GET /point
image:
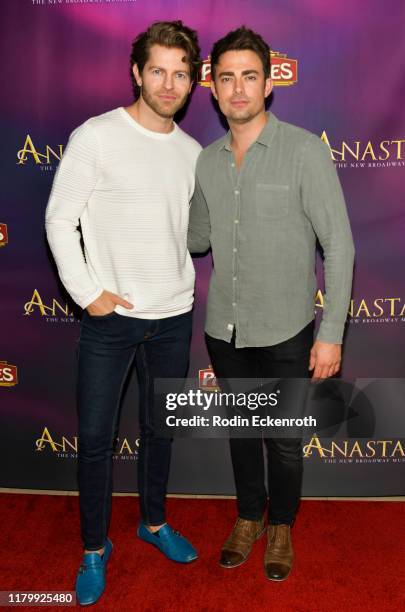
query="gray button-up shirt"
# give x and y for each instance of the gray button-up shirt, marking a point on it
(262, 223)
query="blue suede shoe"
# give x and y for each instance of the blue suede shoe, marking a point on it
(90, 582)
(170, 542)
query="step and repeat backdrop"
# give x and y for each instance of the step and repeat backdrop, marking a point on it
(338, 68)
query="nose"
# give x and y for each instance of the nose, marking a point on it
(169, 82)
(238, 85)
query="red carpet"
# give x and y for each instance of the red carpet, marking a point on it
(349, 557)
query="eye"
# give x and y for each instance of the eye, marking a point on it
(225, 79)
(156, 71)
(181, 75)
(251, 77)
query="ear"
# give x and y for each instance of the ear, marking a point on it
(137, 75)
(268, 86)
(213, 89)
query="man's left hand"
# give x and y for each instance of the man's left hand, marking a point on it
(325, 359)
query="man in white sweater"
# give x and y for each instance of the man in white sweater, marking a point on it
(127, 178)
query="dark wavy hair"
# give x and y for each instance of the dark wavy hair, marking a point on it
(241, 39)
(171, 34)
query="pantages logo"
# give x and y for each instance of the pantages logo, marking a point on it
(30, 153)
(3, 235)
(283, 70)
(66, 448)
(207, 379)
(8, 374)
(358, 154)
(377, 310)
(355, 451)
(51, 313)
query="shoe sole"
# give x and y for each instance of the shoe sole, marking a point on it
(247, 557)
(160, 550)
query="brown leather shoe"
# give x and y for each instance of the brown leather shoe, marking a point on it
(279, 553)
(239, 544)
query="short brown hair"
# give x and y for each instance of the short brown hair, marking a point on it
(171, 34)
(241, 39)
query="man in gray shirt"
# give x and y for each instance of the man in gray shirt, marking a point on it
(264, 193)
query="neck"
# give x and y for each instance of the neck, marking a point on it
(244, 134)
(147, 118)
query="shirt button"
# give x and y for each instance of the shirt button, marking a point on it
(236, 192)
(235, 278)
(236, 220)
(235, 250)
(233, 303)
(232, 165)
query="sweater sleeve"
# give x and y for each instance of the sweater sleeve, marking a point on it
(74, 182)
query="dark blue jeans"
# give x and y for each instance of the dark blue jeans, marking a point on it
(107, 346)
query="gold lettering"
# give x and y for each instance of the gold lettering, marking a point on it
(377, 304)
(65, 443)
(363, 306)
(49, 151)
(384, 149)
(392, 300)
(384, 446)
(56, 304)
(354, 154)
(399, 144)
(36, 301)
(46, 438)
(398, 447)
(125, 446)
(29, 149)
(370, 446)
(325, 139)
(315, 444)
(368, 151)
(341, 451)
(319, 299)
(356, 449)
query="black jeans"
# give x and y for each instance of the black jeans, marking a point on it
(107, 347)
(289, 359)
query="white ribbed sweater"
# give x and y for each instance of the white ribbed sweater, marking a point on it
(130, 189)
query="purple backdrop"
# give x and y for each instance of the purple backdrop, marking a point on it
(64, 61)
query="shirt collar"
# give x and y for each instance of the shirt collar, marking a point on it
(265, 137)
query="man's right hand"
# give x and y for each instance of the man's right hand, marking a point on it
(106, 303)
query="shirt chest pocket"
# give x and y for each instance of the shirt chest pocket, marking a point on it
(272, 201)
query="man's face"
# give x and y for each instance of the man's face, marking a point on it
(240, 86)
(165, 80)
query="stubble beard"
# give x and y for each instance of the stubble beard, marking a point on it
(158, 108)
(242, 116)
